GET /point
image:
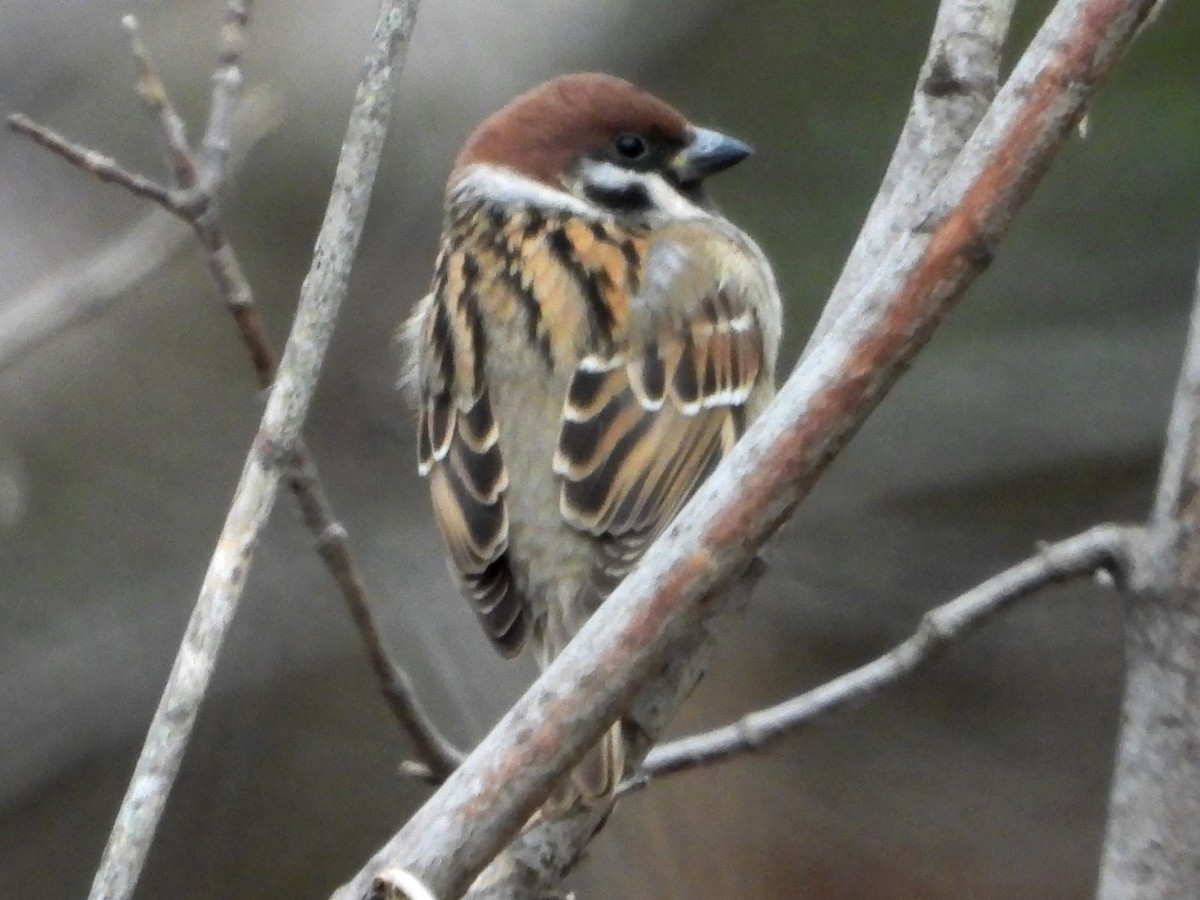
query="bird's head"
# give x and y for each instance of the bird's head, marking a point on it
(603, 142)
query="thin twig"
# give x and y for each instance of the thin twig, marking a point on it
(1179, 481)
(92, 284)
(226, 90)
(153, 92)
(676, 587)
(436, 757)
(102, 167)
(193, 203)
(957, 81)
(1106, 547)
(320, 298)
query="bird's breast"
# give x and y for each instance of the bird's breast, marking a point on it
(549, 559)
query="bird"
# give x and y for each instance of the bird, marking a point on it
(595, 339)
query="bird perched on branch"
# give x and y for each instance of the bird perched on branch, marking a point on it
(595, 340)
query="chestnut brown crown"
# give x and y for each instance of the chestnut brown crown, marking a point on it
(544, 133)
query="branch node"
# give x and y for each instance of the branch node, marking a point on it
(933, 632)
(750, 736)
(941, 82)
(333, 533)
(274, 452)
(414, 768)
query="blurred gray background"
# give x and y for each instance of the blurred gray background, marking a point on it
(1037, 410)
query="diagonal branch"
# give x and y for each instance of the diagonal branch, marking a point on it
(320, 298)
(1103, 548)
(1179, 482)
(958, 80)
(226, 90)
(676, 588)
(153, 92)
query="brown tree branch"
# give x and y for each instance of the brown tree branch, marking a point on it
(193, 201)
(534, 864)
(964, 55)
(1105, 547)
(1152, 845)
(676, 588)
(268, 462)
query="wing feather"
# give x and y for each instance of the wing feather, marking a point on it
(458, 450)
(641, 429)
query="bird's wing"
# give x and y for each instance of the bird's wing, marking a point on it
(643, 426)
(459, 451)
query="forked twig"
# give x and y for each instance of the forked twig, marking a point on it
(192, 200)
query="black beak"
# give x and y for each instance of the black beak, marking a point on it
(707, 153)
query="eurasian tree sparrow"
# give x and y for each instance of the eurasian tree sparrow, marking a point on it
(595, 340)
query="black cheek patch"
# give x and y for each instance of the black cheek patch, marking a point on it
(627, 199)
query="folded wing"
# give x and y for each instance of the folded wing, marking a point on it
(642, 428)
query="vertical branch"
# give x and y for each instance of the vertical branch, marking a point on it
(1152, 846)
(320, 298)
(227, 89)
(1180, 477)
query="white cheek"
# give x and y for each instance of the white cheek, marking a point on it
(508, 188)
(606, 177)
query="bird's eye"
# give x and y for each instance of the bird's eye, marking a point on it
(630, 146)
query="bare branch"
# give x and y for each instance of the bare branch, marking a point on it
(1152, 845)
(957, 81)
(677, 585)
(1106, 547)
(534, 864)
(320, 298)
(436, 756)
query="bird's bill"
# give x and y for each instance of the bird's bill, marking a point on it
(707, 153)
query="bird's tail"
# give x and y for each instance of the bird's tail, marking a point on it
(595, 777)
